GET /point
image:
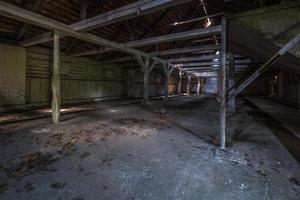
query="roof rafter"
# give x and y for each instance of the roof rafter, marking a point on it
(120, 14)
(158, 39)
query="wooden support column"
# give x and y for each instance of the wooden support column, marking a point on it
(299, 96)
(146, 69)
(56, 98)
(223, 85)
(189, 77)
(198, 85)
(180, 82)
(168, 71)
(231, 81)
(130, 82)
(280, 82)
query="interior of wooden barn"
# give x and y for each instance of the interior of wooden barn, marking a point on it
(149, 99)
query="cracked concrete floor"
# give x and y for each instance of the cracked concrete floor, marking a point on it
(127, 151)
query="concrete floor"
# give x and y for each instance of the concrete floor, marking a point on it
(122, 150)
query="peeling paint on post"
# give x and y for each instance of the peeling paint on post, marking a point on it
(56, 79)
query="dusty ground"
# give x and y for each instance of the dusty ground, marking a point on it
(127, 151)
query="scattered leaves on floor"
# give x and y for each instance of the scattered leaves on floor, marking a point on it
(294, 180)
(85, 155)
(29, 186)
(30, 164)
(58, 185)
(3, 187)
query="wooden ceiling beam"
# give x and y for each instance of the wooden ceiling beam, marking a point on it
(13, 12)
(130, 11)
(158, 39)
(34, 8)
(186, 50)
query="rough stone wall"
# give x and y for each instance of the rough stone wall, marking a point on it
(12, 75)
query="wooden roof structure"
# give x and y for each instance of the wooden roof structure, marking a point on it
(164, 19)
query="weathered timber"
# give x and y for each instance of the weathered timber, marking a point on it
(158, 39)
(120, 14)
(223, 85)
(56, 96)
(231, 81)
(180, 82)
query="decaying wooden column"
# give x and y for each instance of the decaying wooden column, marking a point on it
(168, 71)
(231, 81)
(198, 85)
(189, 77)
(223, 84)
(130, 82)
(299, 96)
(180, 82)
(146, 69)
(56, 101)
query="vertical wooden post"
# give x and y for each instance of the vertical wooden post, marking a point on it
(56, 79)
(198, 85)
(168, 71)
(83, 13)
(130, 82)
(146, 81)
(299, 96)
(280, 82)
(146, 69)
(189, 76)
(231, 81)
(223, 85)
(180, 82)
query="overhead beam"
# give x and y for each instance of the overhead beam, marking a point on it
(20, 14)
(213, 63)
(196, 58)
(34, 8)
(203, 48)
(120, 14)
(130, 11)
(158, 39)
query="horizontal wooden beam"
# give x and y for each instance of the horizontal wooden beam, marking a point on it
(195, 58)
(203, 48)
(13, 12)
(175, 36)
(213, 63)
(200, 67)
(120, 14)
(158, 39)
(130, 11)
